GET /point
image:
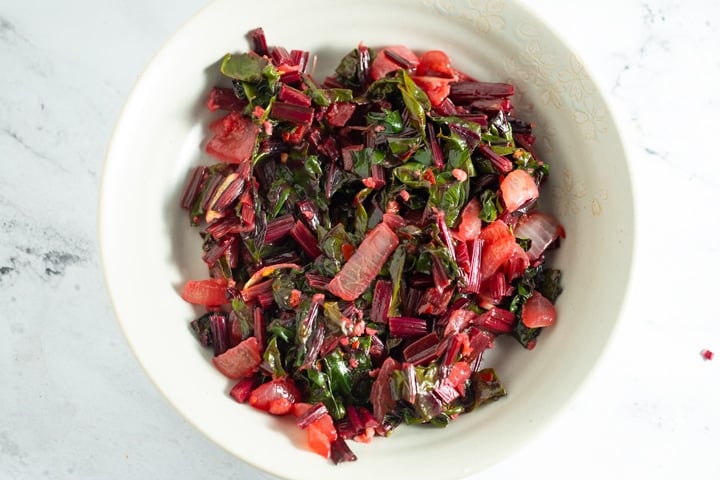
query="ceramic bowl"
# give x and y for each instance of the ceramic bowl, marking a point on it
(148, 249)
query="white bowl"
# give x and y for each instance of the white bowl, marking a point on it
(148, 250)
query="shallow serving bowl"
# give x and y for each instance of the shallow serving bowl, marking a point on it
(148, 249)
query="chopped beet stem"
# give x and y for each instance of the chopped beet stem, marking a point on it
(363, 64)
(479, 118)
(356, 422)
(209, 191)
(399, 60)
(281, 56)
(252, 293)
(231, 192)
(314, 345)
(224, 226)
(447, 108)
(423, 350)
(340, 451)
(453, 350)
(466, 92)
(287, 257)
(318, 282)
(378, 177)
(439, 273)
(259, 41)
(193, 187)
(279, 228)
(266, 299)
(497, 320)
(306, 239)
(232, 253)
(411, 383)
(291, 78)
(460, 303)
(475, 276)
(446, 393)
(310, 212)
(491, 106)
(502, 164)
(312, 414)
(216, 251)
(445, 233)
(241, 391)
(220, 335)
(369, 421)
(259, 328)
(291, 112)
(292, 95)
(407, 327)
(382, 297)
(300, 58)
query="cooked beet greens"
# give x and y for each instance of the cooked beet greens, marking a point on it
(368, 237)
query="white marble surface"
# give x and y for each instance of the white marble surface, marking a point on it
(74, 403)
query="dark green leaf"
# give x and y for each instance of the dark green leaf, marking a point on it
(525, 286)
(525, 335)
(503, 149)
(411, 174)
(450, 198)
(487, 387)
(326, 266)
(201, 327)
(490, 206)
(306, 319)
(383, 89)
(416, 101)
(364, 159)
(312, 167)
(282, 286)
(423, 156)
(442, 420)
(361, 216)
(338, 373)
(397, 265)
(390, 120)
(403, 145)
(500, 125)
(244, 315)
(244, 67)
(324, 97)
(359, 374)
(526, 161)
(332, 242)
(275, 329)
(443, 254)
(424, 263)
(282, 193)
(525, 243)
(335, 318)
(273, 358)
(320, 390)
(348, 70)
(550, 286)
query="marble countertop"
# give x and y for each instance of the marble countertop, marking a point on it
(74, 402)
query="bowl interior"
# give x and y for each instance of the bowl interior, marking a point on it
(148, 249)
